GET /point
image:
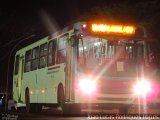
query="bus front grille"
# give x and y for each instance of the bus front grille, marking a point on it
(116, 87)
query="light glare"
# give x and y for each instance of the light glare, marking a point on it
(31, 92)
(142, 87)
(42, 91)
(87, 86)
(84, 25)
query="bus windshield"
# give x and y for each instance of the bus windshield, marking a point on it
(116, 55)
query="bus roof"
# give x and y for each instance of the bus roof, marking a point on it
(37, 43)
(75, 26)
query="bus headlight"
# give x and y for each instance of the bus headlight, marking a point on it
(87, 86)
(142, 87)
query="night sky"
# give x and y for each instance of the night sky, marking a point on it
(21, 18)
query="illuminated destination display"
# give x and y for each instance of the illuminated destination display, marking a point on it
(105, 28)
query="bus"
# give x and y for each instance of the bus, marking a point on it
(86, 64)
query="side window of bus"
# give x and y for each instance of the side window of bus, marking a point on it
(61, 52)
(51, 52)
(27, 61)
(43, 55)
(35, 58)
(16, 65)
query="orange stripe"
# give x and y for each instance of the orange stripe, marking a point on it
(52, 68)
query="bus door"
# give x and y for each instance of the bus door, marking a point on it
(20, 75)
(70, 69)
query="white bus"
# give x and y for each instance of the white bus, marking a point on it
(86, 64)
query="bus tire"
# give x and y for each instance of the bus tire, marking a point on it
(27, 99)
(61, 98)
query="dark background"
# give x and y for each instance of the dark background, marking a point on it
(21, 19)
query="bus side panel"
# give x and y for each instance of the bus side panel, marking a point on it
(15, 87)
(30, 81)
(53, 78)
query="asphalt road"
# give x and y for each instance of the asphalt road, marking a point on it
(54, 114)
(89, 117)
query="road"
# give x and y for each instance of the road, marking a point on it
(89, 117)
(53, 114)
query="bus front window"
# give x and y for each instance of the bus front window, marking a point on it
(113, 57)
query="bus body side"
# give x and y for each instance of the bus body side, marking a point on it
(42, 82)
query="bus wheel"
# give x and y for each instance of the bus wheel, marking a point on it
(27, 100)
(61, 98)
